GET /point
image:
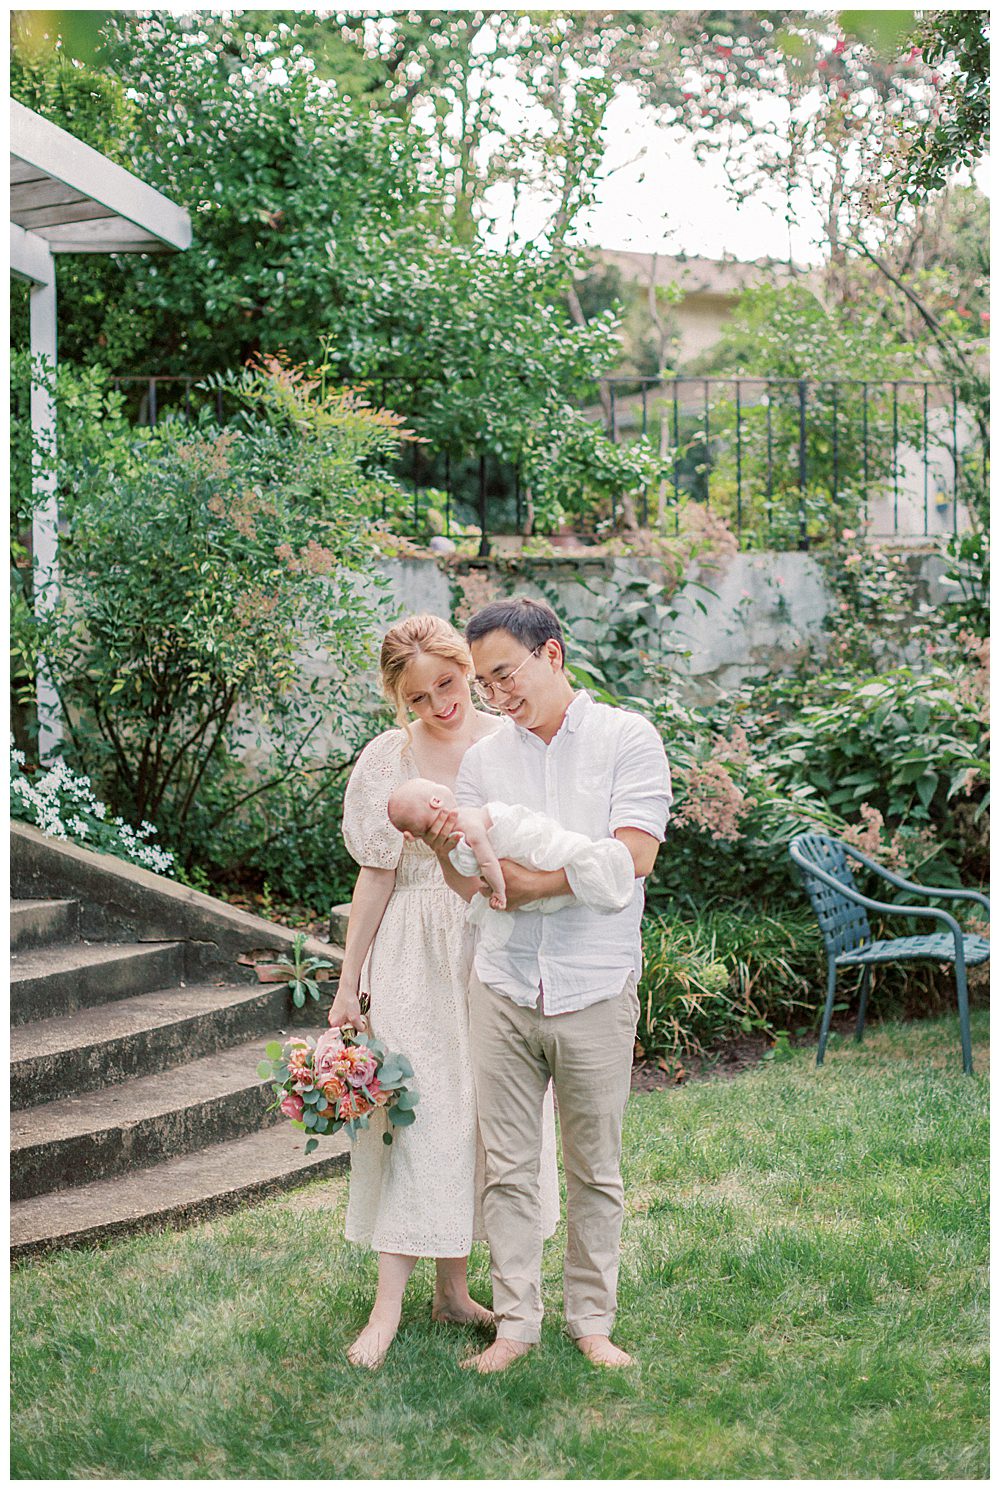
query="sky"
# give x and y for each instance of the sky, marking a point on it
(657, 198)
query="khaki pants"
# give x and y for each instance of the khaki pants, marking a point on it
(589, 1057)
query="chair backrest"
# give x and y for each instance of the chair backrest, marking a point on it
(842, 922)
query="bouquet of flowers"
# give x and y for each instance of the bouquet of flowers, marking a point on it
(336, 1082)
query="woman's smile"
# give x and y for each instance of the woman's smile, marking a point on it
(448, 713)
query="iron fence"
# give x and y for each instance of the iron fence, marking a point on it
(767, 453)
(779, 437)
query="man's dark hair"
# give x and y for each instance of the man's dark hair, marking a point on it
(531, 622)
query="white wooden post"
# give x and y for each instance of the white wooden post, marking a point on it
(45, 522)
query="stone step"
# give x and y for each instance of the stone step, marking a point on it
(35, 922)
(141, 1122)
(94, 1048)
(174, 1193)
(48, 981)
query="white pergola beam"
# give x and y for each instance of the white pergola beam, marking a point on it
(30, 256)
(40, 148)
(98, 235)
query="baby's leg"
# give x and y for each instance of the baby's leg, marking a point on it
(489, 868)
(477, 837)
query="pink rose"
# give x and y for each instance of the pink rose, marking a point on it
(329, 1056)
(364, 1068)
(293, 1106)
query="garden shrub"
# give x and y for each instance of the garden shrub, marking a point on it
(895, 763)
(196, 583)
(286, 839)
(709, 975)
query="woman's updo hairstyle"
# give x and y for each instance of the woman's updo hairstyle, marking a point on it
(404, 643)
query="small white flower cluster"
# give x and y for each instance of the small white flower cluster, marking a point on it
(64, 806)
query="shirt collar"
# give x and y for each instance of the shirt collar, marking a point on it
(577, 710)
(572, 719)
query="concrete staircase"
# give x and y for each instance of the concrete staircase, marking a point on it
(136, 1101)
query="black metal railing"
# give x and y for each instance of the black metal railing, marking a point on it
(767, 453)
(779, 437)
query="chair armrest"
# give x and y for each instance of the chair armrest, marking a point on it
(927, 912)
(902, 884)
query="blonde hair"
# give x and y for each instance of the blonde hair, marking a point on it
(405, 642)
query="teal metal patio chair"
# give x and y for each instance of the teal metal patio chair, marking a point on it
(841, 910)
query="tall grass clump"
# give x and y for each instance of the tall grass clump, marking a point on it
(711, 975)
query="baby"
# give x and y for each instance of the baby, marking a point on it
(601, 874)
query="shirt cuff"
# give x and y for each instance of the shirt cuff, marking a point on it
(655, 828)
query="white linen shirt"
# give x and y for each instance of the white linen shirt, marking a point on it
(604, 769)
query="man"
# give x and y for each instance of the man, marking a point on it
(559, 997)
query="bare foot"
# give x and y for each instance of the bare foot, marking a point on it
(462, 1311)
(372, 1345)
(497, 1357)
(599, 1350)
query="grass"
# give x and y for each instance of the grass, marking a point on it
(803, 1282)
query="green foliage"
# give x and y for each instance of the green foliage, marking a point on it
(905, 748)
(968, 574)
(477, 348)
(277, 828)
(894, 762)
(302, 983)
(476, 351)
(711, 975)
(785, 331)
(258, 163)
(958, 132)
(841, 435)
(196, 583)
(95, 444)
(57, 84)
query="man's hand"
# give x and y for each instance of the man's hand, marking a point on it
(524, 885)
(441, 834)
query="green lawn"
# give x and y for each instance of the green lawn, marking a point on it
(803, 1283)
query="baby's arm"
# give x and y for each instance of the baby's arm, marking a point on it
(474, 823)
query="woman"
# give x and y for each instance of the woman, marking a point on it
(409, 948)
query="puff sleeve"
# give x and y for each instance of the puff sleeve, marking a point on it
(371, 839)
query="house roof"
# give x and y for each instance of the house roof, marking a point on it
(699, 276)
(78, 201)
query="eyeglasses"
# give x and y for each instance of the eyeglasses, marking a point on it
(504, 683)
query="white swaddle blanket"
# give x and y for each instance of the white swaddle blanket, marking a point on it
(601, 874)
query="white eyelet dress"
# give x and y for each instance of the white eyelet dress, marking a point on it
(421, 1195)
